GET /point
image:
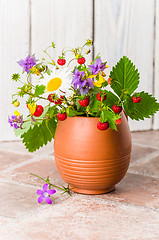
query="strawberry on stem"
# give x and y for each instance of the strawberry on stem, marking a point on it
(39, 110)
(54, 99)
(101, 98)
(81, 60)
(118, 121)
(61, 61)
(136, 99)
(84, 102)
(102, 126)
(61, 116)
(50, 97)
(117, 109)
(59, 101)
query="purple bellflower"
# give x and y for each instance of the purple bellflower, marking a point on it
(45, 194)
(97, 67)
(79, 81)
(15, 121)
(27, 63)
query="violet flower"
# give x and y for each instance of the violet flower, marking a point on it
(27, 63)
(97, 66)
(45, 194)
(15, 121)
(79, 81)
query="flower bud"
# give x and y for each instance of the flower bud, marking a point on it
(16, 103)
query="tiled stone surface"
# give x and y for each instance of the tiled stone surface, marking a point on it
(18, 146)
(43, 168)
(139, 152)
(4, 220)
(129, 212)
(9, 159)
(149, 167)
(15, 200)
(137, 190)
(149, 138)
(86, 218)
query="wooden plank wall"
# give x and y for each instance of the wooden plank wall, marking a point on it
(14, 45)
(119, 27)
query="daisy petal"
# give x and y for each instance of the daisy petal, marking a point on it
(48, 200)
(45, 187)
(51, 191)
(40, 199)
(39, 192)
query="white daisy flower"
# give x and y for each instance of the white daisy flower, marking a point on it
(59, 80)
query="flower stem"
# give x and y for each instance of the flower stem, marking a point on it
(64, 189)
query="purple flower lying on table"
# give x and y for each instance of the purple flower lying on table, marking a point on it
(28, 63)
(45, 194)
(97, 66)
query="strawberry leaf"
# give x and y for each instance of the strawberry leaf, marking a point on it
(124, 77)
(110, 117)
(144, 109)
(39, 90)
(39, 135)
(70, 112)
(111, 99)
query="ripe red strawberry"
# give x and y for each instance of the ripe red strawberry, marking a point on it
(99, 98)
(118, 121)
(84, 102)
(117, 109)
(136, 99)
(102, 126)
(61, 116)
(81, 60)
(39, 110)
(60, 100)
(50, 97)
(61, 61)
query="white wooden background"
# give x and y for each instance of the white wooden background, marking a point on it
(118, 27)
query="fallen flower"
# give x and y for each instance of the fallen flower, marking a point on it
(45, 194)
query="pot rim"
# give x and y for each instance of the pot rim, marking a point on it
(94, 117)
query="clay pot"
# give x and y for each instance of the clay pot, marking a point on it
(90, 160)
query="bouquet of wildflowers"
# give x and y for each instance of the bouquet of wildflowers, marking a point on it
(82, 91)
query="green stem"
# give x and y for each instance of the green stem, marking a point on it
(70, 61)
(63, 189)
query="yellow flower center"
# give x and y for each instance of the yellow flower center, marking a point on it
(54, 84)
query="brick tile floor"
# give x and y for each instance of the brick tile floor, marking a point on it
(129, 212)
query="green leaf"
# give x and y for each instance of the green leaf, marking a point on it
(124, 77)
(94, 104)
(111, 99)
(51, 111)
(26, 126)
(144, 109)
(39, 90)
(110, 117)
(70, 112)
(48, 70)
(39, 135)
